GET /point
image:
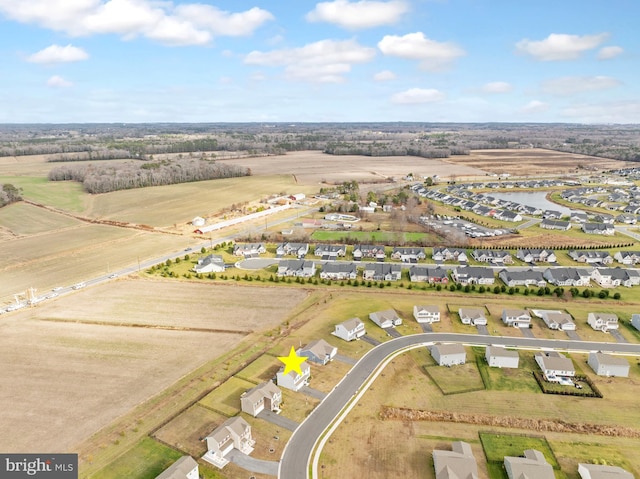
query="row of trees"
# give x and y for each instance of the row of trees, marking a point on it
(103, 178)
(9, 194)
(393, 149)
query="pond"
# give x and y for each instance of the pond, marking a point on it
(532, 198)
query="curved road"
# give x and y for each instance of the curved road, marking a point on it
(296, 457)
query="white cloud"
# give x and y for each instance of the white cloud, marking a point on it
(611, 112)
(384, 75)
(325, 61)
(357, 15)
(607, 53)
(497, 87)
(58, 82)
(560, 46)
(418, 95)
(58, 54)
(535, 106)
(433, 55)
(162, 21)
(572, 85)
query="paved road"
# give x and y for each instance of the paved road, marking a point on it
(296, 458)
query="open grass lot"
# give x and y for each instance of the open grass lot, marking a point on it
(529, 161)
(456, 379)
(65, 195)
(371, 236)
(507, 379)
(225, 398)
(315, 167)
(497, 446)
(23, 219)
(146, 461)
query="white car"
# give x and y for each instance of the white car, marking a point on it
(111, 276)
(52, 295)
(57, 288)
(78, 285)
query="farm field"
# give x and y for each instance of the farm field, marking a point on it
(534, 161)
(95, 373)
(23, 219)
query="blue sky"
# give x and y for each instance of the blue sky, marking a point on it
(338, 60)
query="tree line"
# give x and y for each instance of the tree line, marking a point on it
(9, 194)
(106, 177)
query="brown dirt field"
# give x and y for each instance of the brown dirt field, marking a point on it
(534, 162)
(314, 167)
(73, 378)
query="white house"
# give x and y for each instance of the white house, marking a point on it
(210, 264)
(498, 357)
(292, 380)
(596, 471)
(297, 267)
(264, 396)
(350, 329)
(627, 257)
(318, 351)
(555, 319)
(448, 354)
(555, 366)
(184, 468)
(234, 433)
(518, 318)
(603, 321)
(608, 365)
(426, 314)
(386, 319)
(472, 316)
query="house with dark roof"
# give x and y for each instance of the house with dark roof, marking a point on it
(536, 255)
(210, 264)
(612, 277)
(362, 251)
(598, 229)
(330, 251)
(249, 250)
(473, 275)
(382, 272)
(590, 256)
(627, 257)
(526, 278)
(492, 256)
(337, 271)
(408, 255)
(449, 254)
(428, 274)
(555, 225)
(297, 267)
(568, 276)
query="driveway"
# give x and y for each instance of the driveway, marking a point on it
(278, 420)
(527, 332)
(573, 335)
(314, 393)
(426, 327)
(370, 340)
(258, 466)
(482, 329)
(393, 332)
(618, 337)
(345, 359)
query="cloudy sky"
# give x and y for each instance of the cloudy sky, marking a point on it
(337, 60)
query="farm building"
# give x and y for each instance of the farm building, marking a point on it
(608, 365)
(448, 354)
(350, 329)
(501, 358)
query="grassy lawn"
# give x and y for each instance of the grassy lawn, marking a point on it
(497, 446)
(262, 369)
(505, 379)
(147, 459)
(372, 236)
(226, 398)
(456, 379)
(65, 195)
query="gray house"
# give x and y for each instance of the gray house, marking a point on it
(264, 396)
(386, 319)
(184, 468)
(596, 471)
(457, 463)
(472, 316)
(339, 271)
(635, 321)
(297, 267)
(318, 351)
(473, 275)
(382, 272)
(608, 365)
(533, 465)
(448, 354)
(529, 277)
(497, 357)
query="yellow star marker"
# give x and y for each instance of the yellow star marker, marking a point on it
(292, 362)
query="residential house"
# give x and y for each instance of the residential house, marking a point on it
(296, 267)
(556, 319)
(551, 215)
(330, 251)
(249, 250)
(426, 314)
(598, 228)
(382, 272)
(318, 351)
(386, 319)
(626, 218)
(605, 218)
(627, 257)
(518, 318)
(579, 217)
(568, 276)
(184, 468)
(292, 249)
(449, 254)
(472, 316)
(210, 264)
(350, 329)
(527, 278)
(555, 366)
(591, 257)
(612, 277)
(635, 321)
(473, 275)
(292, 380)
(492, 256)
(264, 396)
(361, 251)
(506, 215)
(596, 471)
(457, 463)
(532, 466)
(608, 365)
(536, 255)
(428, 274)
(337, 271)
(555, 225)
(234, 433)
(602, 321)
(498, 357)
(408, 255)
(448, 354)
